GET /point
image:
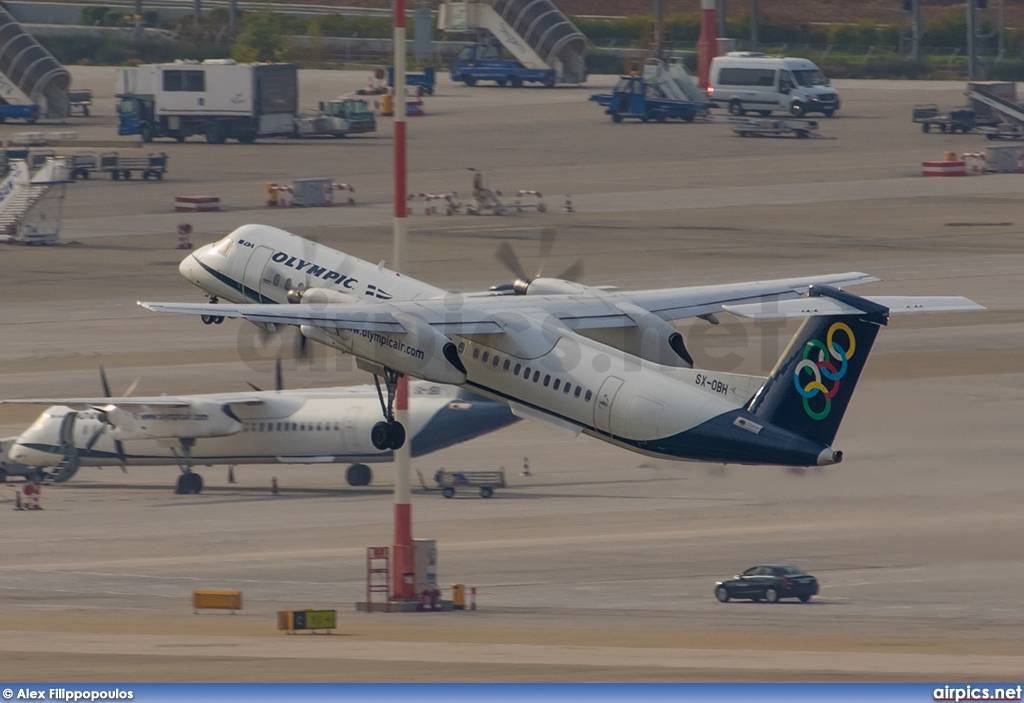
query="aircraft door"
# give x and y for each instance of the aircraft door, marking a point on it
(253, 277)
(603, 403)
(351, 431)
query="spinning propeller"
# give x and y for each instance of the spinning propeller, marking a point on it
(507, 256)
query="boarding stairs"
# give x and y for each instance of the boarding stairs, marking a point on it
(675, 81)
(27, 214)
(999, 98)
(535, 32)
(29, 73)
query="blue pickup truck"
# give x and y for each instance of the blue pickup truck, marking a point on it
(29, 113)
(633, 97)
(479, 62)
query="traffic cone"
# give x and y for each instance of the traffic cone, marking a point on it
(273, 486)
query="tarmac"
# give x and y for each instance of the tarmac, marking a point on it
(600, 566)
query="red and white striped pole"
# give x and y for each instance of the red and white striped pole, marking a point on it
(707, 44)
(403, 557)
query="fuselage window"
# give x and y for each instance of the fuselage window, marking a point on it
(462, 347)
(588, 396)
(506, 365)
(279, 427)
(302, 426)
(277, 279)
(568, 387)
(476, 353)
(288, 284)
(576, 393)
(547, 379)
(319, 427)
(536, 375)
(496, 360)
(337, 428)
(558, 382)
(517, 369)
(526, 373)
(486, 356)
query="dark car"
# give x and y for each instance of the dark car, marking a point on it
(768, 582)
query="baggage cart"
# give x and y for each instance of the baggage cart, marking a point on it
(450, 481)
(963, 120)
(767, 127)
(153, 165)
(79, 101)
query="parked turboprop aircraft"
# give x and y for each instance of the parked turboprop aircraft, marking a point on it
(312, 426)
(583, 359)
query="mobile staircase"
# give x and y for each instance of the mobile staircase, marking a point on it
(29, 74)
(31, 206)
(535, 32)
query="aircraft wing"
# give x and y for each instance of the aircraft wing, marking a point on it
(455, 314)
(131, 403)
(828, 306)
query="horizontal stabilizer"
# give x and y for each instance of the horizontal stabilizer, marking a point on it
(810, 307)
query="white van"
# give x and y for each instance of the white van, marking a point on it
(745, 81)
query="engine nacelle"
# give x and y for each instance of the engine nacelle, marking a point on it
(320, 296)
(160, 422)
(651, 338)
(555, 286)
(421, 351)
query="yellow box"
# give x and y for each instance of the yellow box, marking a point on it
(221, 600)
(459, 596)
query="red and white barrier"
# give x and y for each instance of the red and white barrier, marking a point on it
(975, 163)
(350, 200)
(943, 168)
(196, 203)
(539, 206)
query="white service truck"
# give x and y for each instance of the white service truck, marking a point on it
(217, 98)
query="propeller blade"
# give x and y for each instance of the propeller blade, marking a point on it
(547, 243)
(132, 387)
(574, 272)
(95, 437)
(119, 448)
(507, 256)
(301, 352)
(104, 383)
(279, 375)
(254, 387)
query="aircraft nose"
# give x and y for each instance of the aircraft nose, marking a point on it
(189, 267)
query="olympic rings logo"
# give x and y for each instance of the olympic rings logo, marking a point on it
(829, 354)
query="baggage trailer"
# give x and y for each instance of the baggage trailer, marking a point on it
(80, 101)
(118, 166)
(767, 127)
(963, 120)
(635, 98)
(486, 481)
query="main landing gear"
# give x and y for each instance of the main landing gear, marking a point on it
(389, 434)
(188, 482)
(212, 319)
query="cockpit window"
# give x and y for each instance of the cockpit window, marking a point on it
(224, 246)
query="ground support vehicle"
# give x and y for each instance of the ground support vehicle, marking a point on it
(479, 62)
(485, 481)
(79, 101)
(963, 119)
(354, 111)
(767, 127)
(768, 582)
(82, 165)
(751, 81)
(121, 167)
(423, 82)
(634, 98)
(217, 98)
(28, 113)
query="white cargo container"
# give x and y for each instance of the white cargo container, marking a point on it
(219, 98)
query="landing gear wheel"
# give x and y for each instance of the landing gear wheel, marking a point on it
(359, 475)
(196, 483)
(397, 435)
(771, 595)
(722, 594)
(736, 108)
(380, 436)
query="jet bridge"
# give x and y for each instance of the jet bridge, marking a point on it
(535, 32)
(29, 73)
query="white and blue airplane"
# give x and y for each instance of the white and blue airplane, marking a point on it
(606, 363)
(310, 426)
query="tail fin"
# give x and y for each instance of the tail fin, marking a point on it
(810, 387)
